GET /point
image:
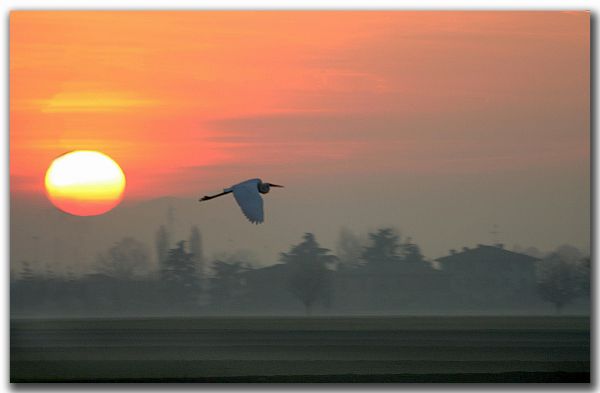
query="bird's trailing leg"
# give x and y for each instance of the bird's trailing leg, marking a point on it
(208, 197)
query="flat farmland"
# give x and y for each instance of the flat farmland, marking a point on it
(296, 349)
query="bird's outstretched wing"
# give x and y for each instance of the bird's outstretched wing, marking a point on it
(247, 196)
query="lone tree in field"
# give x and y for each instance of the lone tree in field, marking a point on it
(559, 282)
(310, 279)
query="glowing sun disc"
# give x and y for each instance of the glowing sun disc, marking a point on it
(85, 183)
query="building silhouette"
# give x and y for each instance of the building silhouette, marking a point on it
(490, 276)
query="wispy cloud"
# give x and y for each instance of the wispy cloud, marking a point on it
(93, 101)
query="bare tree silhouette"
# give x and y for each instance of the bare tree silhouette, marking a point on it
(125, 260)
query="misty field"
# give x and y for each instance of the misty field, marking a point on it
(295, 349)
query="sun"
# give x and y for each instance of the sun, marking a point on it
(85, 183)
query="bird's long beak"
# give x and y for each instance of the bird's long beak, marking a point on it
(275, 185)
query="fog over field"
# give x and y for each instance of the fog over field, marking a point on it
(437, 214)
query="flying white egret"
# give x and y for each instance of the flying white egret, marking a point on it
(247, 195)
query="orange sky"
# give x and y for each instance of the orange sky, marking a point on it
(190, 102)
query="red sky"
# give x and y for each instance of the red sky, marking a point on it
(190, 102)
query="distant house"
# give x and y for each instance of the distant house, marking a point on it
(402, 287)
(266, 289)
(394, 287)
(263, 281)
(481, 279)
(490, 275)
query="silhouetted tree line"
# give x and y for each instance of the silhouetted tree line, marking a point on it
(377, 273)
